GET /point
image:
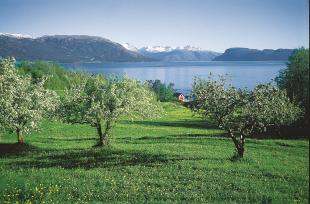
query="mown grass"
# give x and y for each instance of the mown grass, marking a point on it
(177, 158)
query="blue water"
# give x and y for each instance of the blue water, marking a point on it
(245, 74)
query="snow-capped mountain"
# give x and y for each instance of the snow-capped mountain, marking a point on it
(168, 53)
(82, 48)
(66, 49)
(130, 47)
(157, 48)
(191, 48)
(160, 48)
(16, 35)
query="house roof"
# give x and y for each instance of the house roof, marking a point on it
(177, 94)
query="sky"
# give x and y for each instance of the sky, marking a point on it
(209, 24)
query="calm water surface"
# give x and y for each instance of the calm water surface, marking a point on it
(242, 74)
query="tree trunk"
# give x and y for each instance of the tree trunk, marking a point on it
(238, 144)
(19, 136)
(99, 130)
(107, 133)
(241, 146)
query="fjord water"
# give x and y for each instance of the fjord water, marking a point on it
(243, 74)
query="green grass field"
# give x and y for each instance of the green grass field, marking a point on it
(177, 158)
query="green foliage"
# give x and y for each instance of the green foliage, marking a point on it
(213, 99)
(83, 103)
(23, 103)
(242, 112)
(172, 159)
(265, 106)
(295, 78)
(106, 100)
(163, 92)
(58, 78)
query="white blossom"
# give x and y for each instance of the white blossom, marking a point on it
(22, 103)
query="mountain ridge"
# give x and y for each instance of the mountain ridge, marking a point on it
(85, 48)
(66, 49)
(168, 53)
(247, 54)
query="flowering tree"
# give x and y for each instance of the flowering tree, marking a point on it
(242, 112)
(99, 100)
(295, 80)
(22, 103)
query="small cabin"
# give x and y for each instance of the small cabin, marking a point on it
(180, 97)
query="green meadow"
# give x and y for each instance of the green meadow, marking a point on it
(177, 158)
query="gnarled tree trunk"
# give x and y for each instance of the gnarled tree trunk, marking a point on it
(104, 138)
(99, 131)
(107, 133)
(19, 136)
(240, 145)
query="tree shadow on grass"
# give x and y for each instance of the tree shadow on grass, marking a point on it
(183, 123)
(92, 158)
(100, 157)
(185, 136)
(179, 138)
(72, 139)
(15, 149)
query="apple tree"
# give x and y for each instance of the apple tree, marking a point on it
(241, 112)
(103, 101)
(23, 104)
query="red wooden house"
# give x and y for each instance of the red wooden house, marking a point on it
(180, 97)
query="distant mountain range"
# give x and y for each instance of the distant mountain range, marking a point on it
(187, 53)
(246, 54)
(83, 48)
(65, 49)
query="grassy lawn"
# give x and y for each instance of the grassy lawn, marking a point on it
(177, 158)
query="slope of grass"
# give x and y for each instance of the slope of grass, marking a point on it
(177, 158)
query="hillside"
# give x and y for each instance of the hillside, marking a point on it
(65, 49)
(175, 159)
(246, 54)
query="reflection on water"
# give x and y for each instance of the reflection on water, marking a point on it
(243, 74)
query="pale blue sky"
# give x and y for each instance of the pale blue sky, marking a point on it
(209, 24)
